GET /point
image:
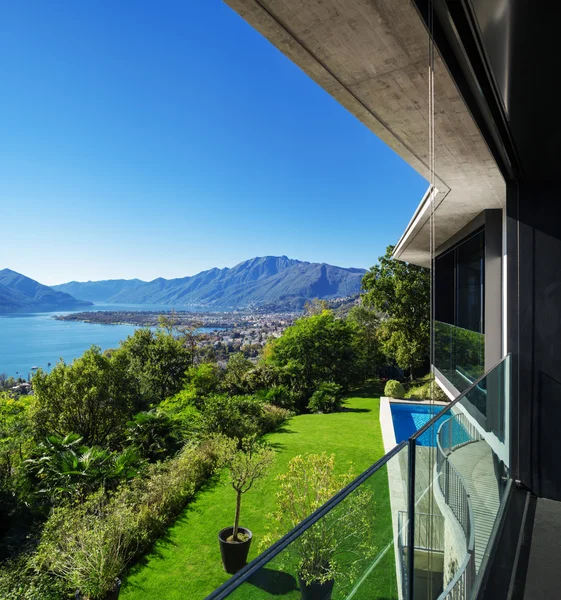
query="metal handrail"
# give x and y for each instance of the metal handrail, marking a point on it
(470, 538)
(255, 565)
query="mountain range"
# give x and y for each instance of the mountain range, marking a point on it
(98, 291)
(263, 281)
(19, 293)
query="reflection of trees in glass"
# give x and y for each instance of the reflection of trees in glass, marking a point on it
(459, 354)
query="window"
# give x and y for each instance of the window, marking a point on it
(459, 284)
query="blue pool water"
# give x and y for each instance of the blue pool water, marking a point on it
(409, 418)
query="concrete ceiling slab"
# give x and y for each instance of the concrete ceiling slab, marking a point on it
(372, 57)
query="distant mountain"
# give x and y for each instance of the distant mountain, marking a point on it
(19, 293)
(268, 280)
(98, 291)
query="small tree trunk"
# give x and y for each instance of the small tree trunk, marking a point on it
(237, 519)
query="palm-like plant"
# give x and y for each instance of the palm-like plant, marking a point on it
(151, 433)
(67, 470)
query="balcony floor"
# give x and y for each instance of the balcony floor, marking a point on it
(542, 576)
(475, 464)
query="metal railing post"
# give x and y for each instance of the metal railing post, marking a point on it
(411, 524)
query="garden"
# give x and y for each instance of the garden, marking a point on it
(156, 470)
(186, 563)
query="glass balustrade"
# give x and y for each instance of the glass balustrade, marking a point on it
(417, 525)
(459, 354)
(460, 476)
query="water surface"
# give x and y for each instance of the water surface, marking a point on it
(35, 339)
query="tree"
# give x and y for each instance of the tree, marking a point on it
(235, 378)
(186, 333)
(232, 416)
(85, 397)
(153, 364)
(15, 446)
(366, 322)
(315, 349)
(401, 291)
(204, 379)
(315, 307)
(246, 465)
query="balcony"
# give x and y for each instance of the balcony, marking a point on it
(446, 500)
(459, 354)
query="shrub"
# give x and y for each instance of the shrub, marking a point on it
(183, 413)
(88, 545)
(280, 395)
(20, 581)
(335, 545)
(65, 470)
(423, 392)
(272, 417)
(159, 497)
(327, 398)
(394, 389)
(153, 435)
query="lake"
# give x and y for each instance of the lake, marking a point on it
(28, 340)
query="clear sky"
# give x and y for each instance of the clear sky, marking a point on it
(146, 139)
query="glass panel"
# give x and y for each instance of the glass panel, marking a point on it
(459, 483)
(470, 260)
(459, 354)
(421, 522)
(445, 287)
(459, 309)
(354, 547)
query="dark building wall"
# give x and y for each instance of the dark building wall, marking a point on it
(534, 333)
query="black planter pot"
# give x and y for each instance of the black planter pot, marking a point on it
(234, 554)
(111, 595)
(315, 590)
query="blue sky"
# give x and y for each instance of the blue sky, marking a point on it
(146, 139)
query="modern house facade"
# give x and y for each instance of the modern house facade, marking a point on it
(480, 504)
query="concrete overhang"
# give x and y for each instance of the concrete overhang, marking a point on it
(371, 56)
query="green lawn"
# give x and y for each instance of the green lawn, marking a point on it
(186, 564)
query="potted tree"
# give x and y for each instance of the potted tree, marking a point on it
(247, 461)
(334, 547)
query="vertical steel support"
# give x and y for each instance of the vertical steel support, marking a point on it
(411, 525)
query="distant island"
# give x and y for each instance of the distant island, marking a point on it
(270, 281)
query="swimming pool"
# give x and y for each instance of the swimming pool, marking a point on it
(409, 418)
